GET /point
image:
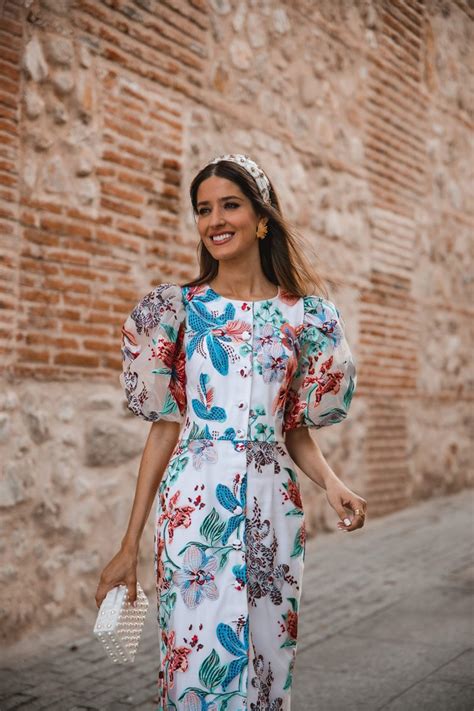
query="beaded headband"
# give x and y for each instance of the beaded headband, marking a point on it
(251, 167)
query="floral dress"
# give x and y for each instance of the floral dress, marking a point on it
(229, 533)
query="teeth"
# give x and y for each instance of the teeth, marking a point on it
(222, 237)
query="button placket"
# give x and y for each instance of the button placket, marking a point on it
(242, 395)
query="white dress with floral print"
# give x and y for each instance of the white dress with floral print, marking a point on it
(229, 535)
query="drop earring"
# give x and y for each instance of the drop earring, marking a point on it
(262, 228)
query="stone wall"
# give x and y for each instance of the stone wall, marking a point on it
(360, 113)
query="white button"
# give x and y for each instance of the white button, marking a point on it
(240, 433)
(242, 405)
(246, 336)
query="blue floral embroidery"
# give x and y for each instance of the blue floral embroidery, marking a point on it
(230, 502)
(239, 648)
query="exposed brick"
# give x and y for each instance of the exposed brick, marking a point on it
(33, 355)
(110, 189)
(108, 204)
(10, 27)
(82, 329)
(123, 160)
(43, 296)
(65, 228)
(80, 359)
(118, 240)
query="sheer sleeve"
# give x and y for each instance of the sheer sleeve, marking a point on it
(153, 368)
(324, 379)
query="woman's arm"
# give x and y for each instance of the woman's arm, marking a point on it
(122, 569)
(307, 455)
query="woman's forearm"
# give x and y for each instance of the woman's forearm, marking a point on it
(159, 446)
(307, 454)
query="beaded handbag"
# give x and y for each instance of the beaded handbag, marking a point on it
(119, 625)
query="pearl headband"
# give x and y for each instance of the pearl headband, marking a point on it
(251, 167)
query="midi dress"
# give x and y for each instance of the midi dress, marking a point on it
(229, 538)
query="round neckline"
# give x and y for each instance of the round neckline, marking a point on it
(244, 301)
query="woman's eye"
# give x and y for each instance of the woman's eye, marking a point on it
(227, 204)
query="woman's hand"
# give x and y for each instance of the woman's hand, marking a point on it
(342, 498)
(122, 570)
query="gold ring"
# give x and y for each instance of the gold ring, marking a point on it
(359, 512)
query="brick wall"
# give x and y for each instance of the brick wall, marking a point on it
(361, 114)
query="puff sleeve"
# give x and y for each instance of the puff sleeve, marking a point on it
(324, 377)
(153, 367)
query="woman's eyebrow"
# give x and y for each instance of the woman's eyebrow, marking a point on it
(227, 197)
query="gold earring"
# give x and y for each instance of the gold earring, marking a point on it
(262, 228)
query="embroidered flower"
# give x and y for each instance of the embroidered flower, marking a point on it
(196, 578)
(271, 355)
(160, 568)
(197, 702)
(203, 451)
(176, 657)
(176, 515)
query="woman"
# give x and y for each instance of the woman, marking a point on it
(232, 369)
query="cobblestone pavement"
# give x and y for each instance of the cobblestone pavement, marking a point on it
(386, 623)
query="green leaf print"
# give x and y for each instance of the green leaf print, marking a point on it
(293, 602)
(211, 672)
(349, 392)
(291, 474)
(212, 527)
(171, 332)
(175, 468)
(297, 546)
(169, 405)
(224, 557)
(288, 680)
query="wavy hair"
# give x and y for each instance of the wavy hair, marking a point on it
(283, 252)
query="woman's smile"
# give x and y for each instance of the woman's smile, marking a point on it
(222, 237)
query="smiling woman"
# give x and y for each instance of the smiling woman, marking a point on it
(230, 212)
(245, 372)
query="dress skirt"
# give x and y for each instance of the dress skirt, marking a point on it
(229, 551)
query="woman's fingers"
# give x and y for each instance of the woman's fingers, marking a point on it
(122, 570)
(101, 593)
(357, 520)
(132, 591)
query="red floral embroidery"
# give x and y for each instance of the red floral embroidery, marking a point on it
(292, 624)
(177, 657)
(160, 571)
(176, 515)
(174, 358)
(294, 494)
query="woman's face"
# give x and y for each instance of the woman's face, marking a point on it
(222, 208)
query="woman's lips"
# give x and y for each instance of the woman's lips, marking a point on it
(222, 238)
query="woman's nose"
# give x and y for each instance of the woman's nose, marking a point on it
(215, 215)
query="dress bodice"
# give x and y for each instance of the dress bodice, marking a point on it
(236, 370)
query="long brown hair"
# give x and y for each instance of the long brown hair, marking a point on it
(282, 252)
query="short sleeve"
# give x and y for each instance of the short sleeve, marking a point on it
(153, 367)
(324, 378)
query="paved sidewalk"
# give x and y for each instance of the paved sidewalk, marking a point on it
(386, 623)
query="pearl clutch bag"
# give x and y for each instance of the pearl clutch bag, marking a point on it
(119, 625)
